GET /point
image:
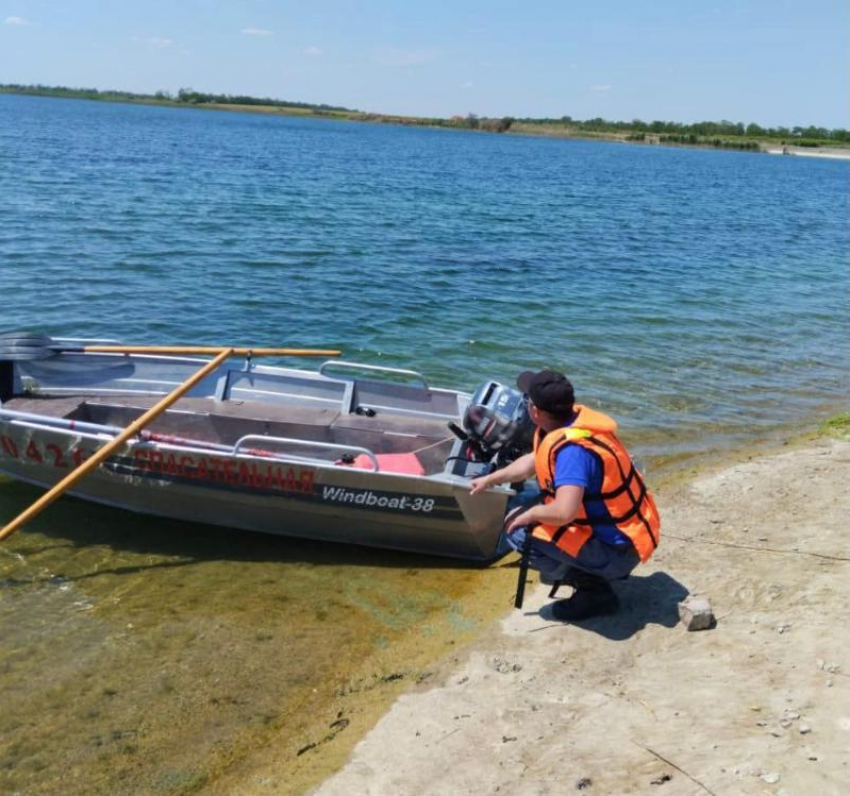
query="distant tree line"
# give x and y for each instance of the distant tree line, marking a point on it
(700, 133)
(700, 129)
(185, 96)
(191, 97)
(474, 122)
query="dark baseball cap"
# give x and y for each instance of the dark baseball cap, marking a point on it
(550, 391)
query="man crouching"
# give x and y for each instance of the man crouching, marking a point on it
(596, 520)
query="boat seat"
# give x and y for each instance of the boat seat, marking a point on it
(406, 463)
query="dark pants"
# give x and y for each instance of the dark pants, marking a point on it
(596, 557)
(607, 561)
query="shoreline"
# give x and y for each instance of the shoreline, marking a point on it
(757, 700)
(346, 763)
(753, 146)
(833, 153)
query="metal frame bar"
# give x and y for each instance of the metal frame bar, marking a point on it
(372, 368)
(307, 444)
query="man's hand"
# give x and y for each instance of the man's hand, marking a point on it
(517, 519)
(479, 484)
(519, 470)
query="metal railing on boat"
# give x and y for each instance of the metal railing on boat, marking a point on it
(373, 368)
(148, 438)
(307, 444)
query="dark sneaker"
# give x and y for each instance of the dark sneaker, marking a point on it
(598, 600)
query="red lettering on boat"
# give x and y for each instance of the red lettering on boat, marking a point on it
(33, 453)
(58, 459)
(256, 478)
(8, 445)
(274, 476)
(155, 458)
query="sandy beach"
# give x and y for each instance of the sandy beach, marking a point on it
(830, 153)
(637, 704)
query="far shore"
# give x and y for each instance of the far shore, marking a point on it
(518, 127)
(833, 153)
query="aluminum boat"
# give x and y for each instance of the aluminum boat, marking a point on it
(349, 452)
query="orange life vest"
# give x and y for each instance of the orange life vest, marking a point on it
(624, 493)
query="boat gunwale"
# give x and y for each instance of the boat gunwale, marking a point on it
(109, 432)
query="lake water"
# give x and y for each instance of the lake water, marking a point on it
(701, 297)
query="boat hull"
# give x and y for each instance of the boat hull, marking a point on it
(330, 503)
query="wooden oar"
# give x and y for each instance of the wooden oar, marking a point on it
(27, 346)
(100, 456)
(196, 349)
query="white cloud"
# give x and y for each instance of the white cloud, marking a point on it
(16, 21)
(600, 89)
(158, 41)
(257, 32)
(313, 51)
(467, 84)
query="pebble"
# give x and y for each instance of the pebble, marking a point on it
(771, 778)
(503, 666)
(805, 729)
(696, 614)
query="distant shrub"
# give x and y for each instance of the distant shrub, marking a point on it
(496, 125)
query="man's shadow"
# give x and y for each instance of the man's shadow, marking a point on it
(646, 600)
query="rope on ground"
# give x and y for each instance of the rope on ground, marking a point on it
(678, 768)
(754, 547)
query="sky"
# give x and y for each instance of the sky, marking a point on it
(773, 63)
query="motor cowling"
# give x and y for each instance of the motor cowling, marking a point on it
(497, 422)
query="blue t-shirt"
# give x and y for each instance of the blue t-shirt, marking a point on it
(576, 466)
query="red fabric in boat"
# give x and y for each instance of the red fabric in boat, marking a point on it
(406, 463)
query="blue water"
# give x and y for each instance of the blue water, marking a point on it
(696, 292)
(699, 296)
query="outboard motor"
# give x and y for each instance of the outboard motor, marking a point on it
(496, 424)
